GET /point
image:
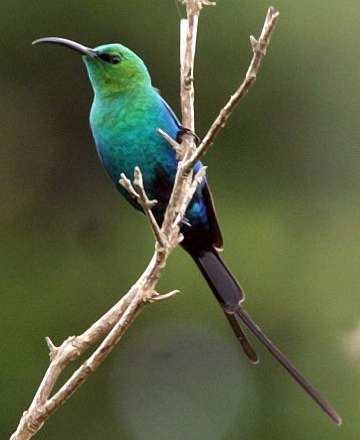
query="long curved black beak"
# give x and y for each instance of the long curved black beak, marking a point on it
(68, 43)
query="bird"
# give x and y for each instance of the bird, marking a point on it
(126, 115)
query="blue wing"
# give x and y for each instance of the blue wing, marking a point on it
(170, 112)
(201, 214)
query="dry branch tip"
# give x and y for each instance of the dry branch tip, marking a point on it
(179, 149)
(53, 349)
(156, 297)
(126, 183)
(195, 6)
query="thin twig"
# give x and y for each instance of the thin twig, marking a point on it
(114, 323)
(156, 297)
(96, 359)
(137, 191)
(72, 348)
(259, 49)
(179, 150)
(183, 179)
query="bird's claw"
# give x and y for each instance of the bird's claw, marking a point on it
(186, 131)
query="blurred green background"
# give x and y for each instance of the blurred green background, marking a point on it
(285, 176)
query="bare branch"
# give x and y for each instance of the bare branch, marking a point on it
(183, 177)
(259, 48)
(137, 191)
(73, 347)
(188, 38)
(197, 179)
(99, 355)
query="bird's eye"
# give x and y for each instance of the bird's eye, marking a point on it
(111, 59)
(115, 59)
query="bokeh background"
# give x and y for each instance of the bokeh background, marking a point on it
(285, 176)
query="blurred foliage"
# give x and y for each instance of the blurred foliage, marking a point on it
(285, 179)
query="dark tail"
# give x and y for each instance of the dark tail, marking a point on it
(227, 291)
(230, 296)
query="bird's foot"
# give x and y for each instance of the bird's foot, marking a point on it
(186, 131)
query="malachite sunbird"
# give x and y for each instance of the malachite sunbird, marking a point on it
(125, 116)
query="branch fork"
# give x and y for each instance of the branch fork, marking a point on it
(115, 322)
(137, 190)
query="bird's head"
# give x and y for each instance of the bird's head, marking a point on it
(112, 68)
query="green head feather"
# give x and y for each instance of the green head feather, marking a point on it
(115, 69)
